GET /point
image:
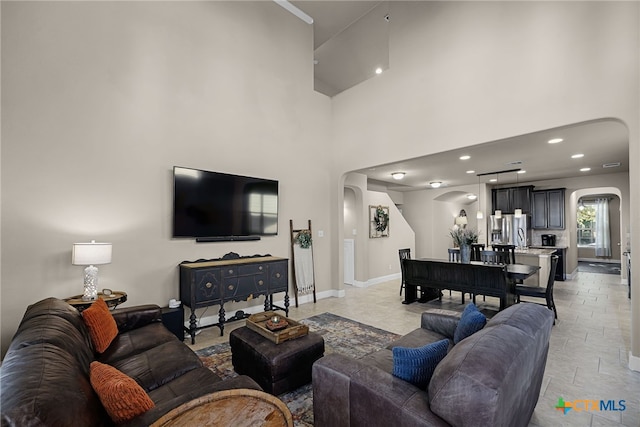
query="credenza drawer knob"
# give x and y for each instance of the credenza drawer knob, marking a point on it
(208, 285)
(230, 271)
(230, 287)
(278, 275)
(260, 282)
(260, 268)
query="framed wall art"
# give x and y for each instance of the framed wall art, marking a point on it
(378, 221)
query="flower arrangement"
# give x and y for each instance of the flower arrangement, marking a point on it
(464, 236)
(304, 239)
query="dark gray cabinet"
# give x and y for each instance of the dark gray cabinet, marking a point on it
(509, 199)
(232, 278)
(548, 209)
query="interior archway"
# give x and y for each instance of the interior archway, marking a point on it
(622, 235)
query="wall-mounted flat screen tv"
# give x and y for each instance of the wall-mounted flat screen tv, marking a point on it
(219, 205)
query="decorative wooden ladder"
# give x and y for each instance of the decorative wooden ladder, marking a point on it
(305, 261)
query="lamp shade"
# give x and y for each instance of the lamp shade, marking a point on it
(91, 253)
(461, 220)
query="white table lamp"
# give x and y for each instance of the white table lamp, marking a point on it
(90, 254)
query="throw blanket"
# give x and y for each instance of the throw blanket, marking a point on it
(304, 269)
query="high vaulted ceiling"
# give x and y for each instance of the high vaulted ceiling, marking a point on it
(351, 40)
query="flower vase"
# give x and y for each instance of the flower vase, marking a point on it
(465, 254)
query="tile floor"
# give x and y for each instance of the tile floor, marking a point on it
(588, 353)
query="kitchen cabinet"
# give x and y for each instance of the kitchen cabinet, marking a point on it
(509, 199)
(548, 209)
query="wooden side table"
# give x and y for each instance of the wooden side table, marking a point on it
(116, 298)
(238, 407)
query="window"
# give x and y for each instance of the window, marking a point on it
(587, 211)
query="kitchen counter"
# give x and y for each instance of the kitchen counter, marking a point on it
(548, 247)
(561, 252)
(536, 251)
(536, 256)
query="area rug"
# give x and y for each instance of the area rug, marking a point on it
(341, 335)
(599, 267)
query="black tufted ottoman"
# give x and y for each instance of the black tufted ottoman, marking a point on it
(278, 368)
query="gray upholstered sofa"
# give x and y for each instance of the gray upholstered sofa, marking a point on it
(492, 378)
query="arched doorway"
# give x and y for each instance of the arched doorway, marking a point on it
(619, 232)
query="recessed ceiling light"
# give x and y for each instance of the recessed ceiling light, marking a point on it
(471, 171)
(435, 184)
(577, 156)
(493, 180)
(398, 175)
(522, 171)
(471, 196)
(585, 169)
(378, 70)
(465, 157)
(555, 140)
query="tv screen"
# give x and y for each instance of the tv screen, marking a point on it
(212, 204)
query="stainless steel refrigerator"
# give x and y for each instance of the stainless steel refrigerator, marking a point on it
(510, 230)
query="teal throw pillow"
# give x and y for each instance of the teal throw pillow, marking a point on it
(416, 365)
(471, 321)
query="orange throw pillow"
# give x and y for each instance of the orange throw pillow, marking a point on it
(102, 326)
(121, 395)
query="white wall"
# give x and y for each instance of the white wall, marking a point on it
(464, 73)
(101, 99)
(383, 251)
(431, 214)
(376, 258)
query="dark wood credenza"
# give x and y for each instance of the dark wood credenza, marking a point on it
(204, 283)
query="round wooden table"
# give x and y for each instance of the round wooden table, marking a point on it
(239, 408)
(116, 298)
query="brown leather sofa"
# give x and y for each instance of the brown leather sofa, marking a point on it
(44, 376)
(491, 378)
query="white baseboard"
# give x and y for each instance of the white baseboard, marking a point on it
(634, 362)
(376, 280)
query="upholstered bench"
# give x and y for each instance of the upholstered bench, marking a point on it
(278, 368)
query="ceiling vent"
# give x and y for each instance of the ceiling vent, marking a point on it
(515, 163)
(611, 165)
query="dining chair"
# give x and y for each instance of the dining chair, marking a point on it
(494, 257)
(404, 254)
(509, 249)
(476, 248)
(454, 256)
(540, 292)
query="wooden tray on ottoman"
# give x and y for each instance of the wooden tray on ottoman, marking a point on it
(257, 322)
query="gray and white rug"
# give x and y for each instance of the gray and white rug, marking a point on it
(341, 335)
